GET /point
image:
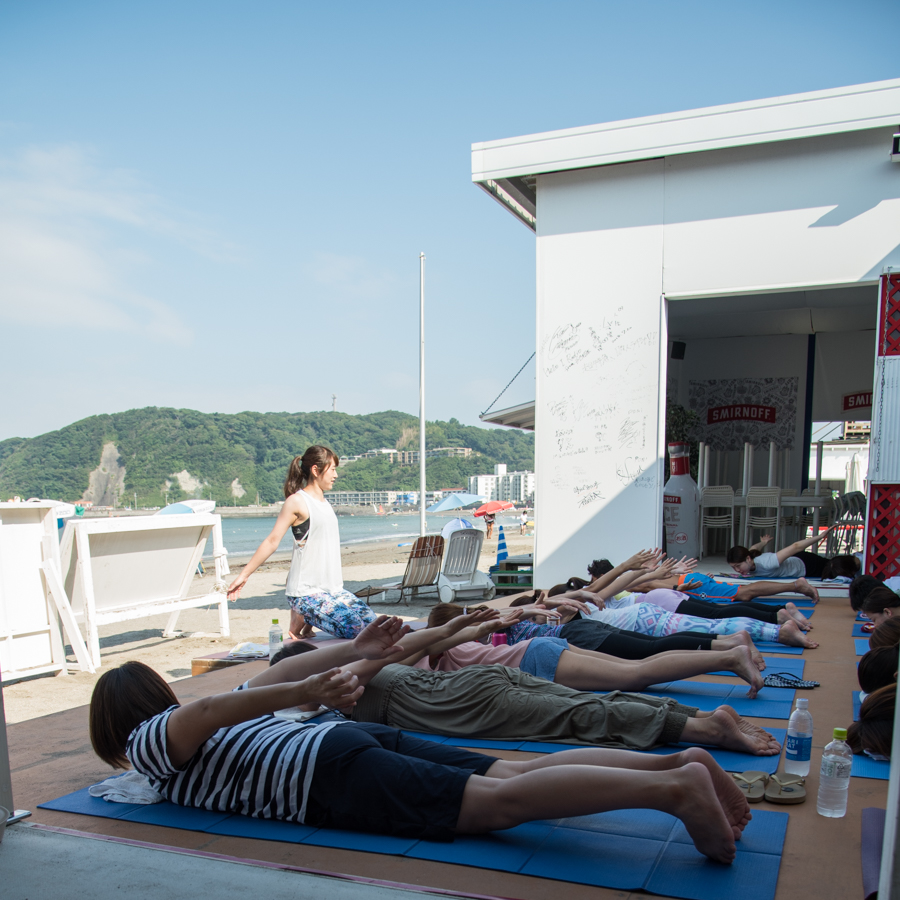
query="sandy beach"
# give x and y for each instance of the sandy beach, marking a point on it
(250, 618)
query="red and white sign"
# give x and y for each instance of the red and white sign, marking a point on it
(740, 412)
(858, 401)
(668, 498)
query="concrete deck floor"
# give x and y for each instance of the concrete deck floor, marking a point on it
(51, 756)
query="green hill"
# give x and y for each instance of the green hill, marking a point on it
(232, 457)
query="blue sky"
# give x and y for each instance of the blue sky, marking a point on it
(220, 205)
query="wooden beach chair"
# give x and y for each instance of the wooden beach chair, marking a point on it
(421, 575)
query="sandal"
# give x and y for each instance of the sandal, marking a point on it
(786, 789)
(787, 680)
(752, 784)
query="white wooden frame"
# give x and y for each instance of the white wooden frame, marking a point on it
(139, 544)
(29, 562)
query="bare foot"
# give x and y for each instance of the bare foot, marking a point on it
(734, 803)
(720, 730)
(790, 611)
(802, 586)
(741, 663)
(740, 639)
(789, 633)
(744, 725)
(691, 796)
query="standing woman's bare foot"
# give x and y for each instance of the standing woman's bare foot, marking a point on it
(802, 586)
(789, 633)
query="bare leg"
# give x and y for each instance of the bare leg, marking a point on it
(584, 673)
(298, 627)
(564, 790)
(740, 639)
(734, 803)
(770, 588)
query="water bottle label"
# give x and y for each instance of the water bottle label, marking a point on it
(798, 748)
(836, 768)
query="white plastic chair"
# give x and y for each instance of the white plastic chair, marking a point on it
(720, 497)
(766, 500)
(460, 578)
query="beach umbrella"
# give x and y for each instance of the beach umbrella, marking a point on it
(174, 509)
(493, 506)
(854, 475)
(455, 501)
(501, 547)
(456, 524)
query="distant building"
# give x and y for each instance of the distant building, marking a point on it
(361, 498)
(411, 457)
(857, 431)
(515, 487)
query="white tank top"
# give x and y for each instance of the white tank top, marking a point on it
(316, 560)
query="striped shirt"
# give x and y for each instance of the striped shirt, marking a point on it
(261, 768)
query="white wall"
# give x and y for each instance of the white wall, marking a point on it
(610, 240)
(844, 365)
(599, 324)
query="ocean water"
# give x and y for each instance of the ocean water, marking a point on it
(243, 536)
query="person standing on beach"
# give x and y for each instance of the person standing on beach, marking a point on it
(489, 524)
(315, 585)
(523, 521)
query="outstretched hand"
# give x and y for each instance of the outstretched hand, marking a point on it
(640, 559)
(378, 640)
(335, 688)
(235, 588)
(684, 566)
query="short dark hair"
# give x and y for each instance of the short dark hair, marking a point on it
(887, 634)
(844, 566)
(875, 729)
(879, 599)
(859, 589)
(123, 698)
(291, 648)
(600, 567)
(878, 668)
(738, 554)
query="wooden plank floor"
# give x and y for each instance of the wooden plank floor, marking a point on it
(51, 756)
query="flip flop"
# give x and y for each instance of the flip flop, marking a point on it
(752, 784)
(786, 789)
(787, 680)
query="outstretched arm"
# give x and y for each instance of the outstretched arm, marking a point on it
(191, 725)
(635, 563)
(799, 546)
(378, 640)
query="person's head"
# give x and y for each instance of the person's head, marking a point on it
(844, 566)
(741, 559)
(859, 589)
(880, 604)
(573, 584)
(122, 699)
(878, 668)
(875, 729)
(319, 464)
(444, 612)
(887, 634)
(290, 648)
(599, 567)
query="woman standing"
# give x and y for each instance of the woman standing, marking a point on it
(315, 586)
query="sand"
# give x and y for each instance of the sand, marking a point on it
(250, 618)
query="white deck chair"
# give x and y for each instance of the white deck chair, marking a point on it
(760, 501)
(118, 569)
(460, 578)
(422, 570)
(718, 498)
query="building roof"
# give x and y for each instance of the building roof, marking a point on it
(502, 167)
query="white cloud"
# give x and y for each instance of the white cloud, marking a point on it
(73, 239)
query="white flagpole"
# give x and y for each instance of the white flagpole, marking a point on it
(421, 394)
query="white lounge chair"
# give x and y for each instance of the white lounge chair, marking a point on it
(460, 578)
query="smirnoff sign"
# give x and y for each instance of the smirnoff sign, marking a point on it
(740, 412)
(858, 401)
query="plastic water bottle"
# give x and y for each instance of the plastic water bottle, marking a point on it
(834, 777)
(276, 638)
(798, 748)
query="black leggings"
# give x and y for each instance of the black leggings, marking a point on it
(749, 610)
(629, 644)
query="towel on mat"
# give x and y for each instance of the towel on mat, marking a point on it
(132, 787)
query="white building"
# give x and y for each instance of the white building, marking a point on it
(516, 487)
(743, 259)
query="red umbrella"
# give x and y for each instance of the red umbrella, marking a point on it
(493, 506)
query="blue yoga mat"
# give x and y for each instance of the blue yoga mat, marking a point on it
(866, 767)
(775, 664)
(628, 850)
(862, 646)
(772, 647)
(770, 703)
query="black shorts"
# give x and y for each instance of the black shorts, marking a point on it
(374, 778)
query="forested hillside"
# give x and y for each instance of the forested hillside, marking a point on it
(232, 457)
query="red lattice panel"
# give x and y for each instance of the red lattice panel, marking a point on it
(883, 539)
(889, 326)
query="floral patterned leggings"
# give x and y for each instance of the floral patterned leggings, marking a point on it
(340, 613)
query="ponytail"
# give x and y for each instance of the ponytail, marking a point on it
(300, 470)
(738, 554)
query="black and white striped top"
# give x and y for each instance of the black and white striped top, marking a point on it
(261, 768)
